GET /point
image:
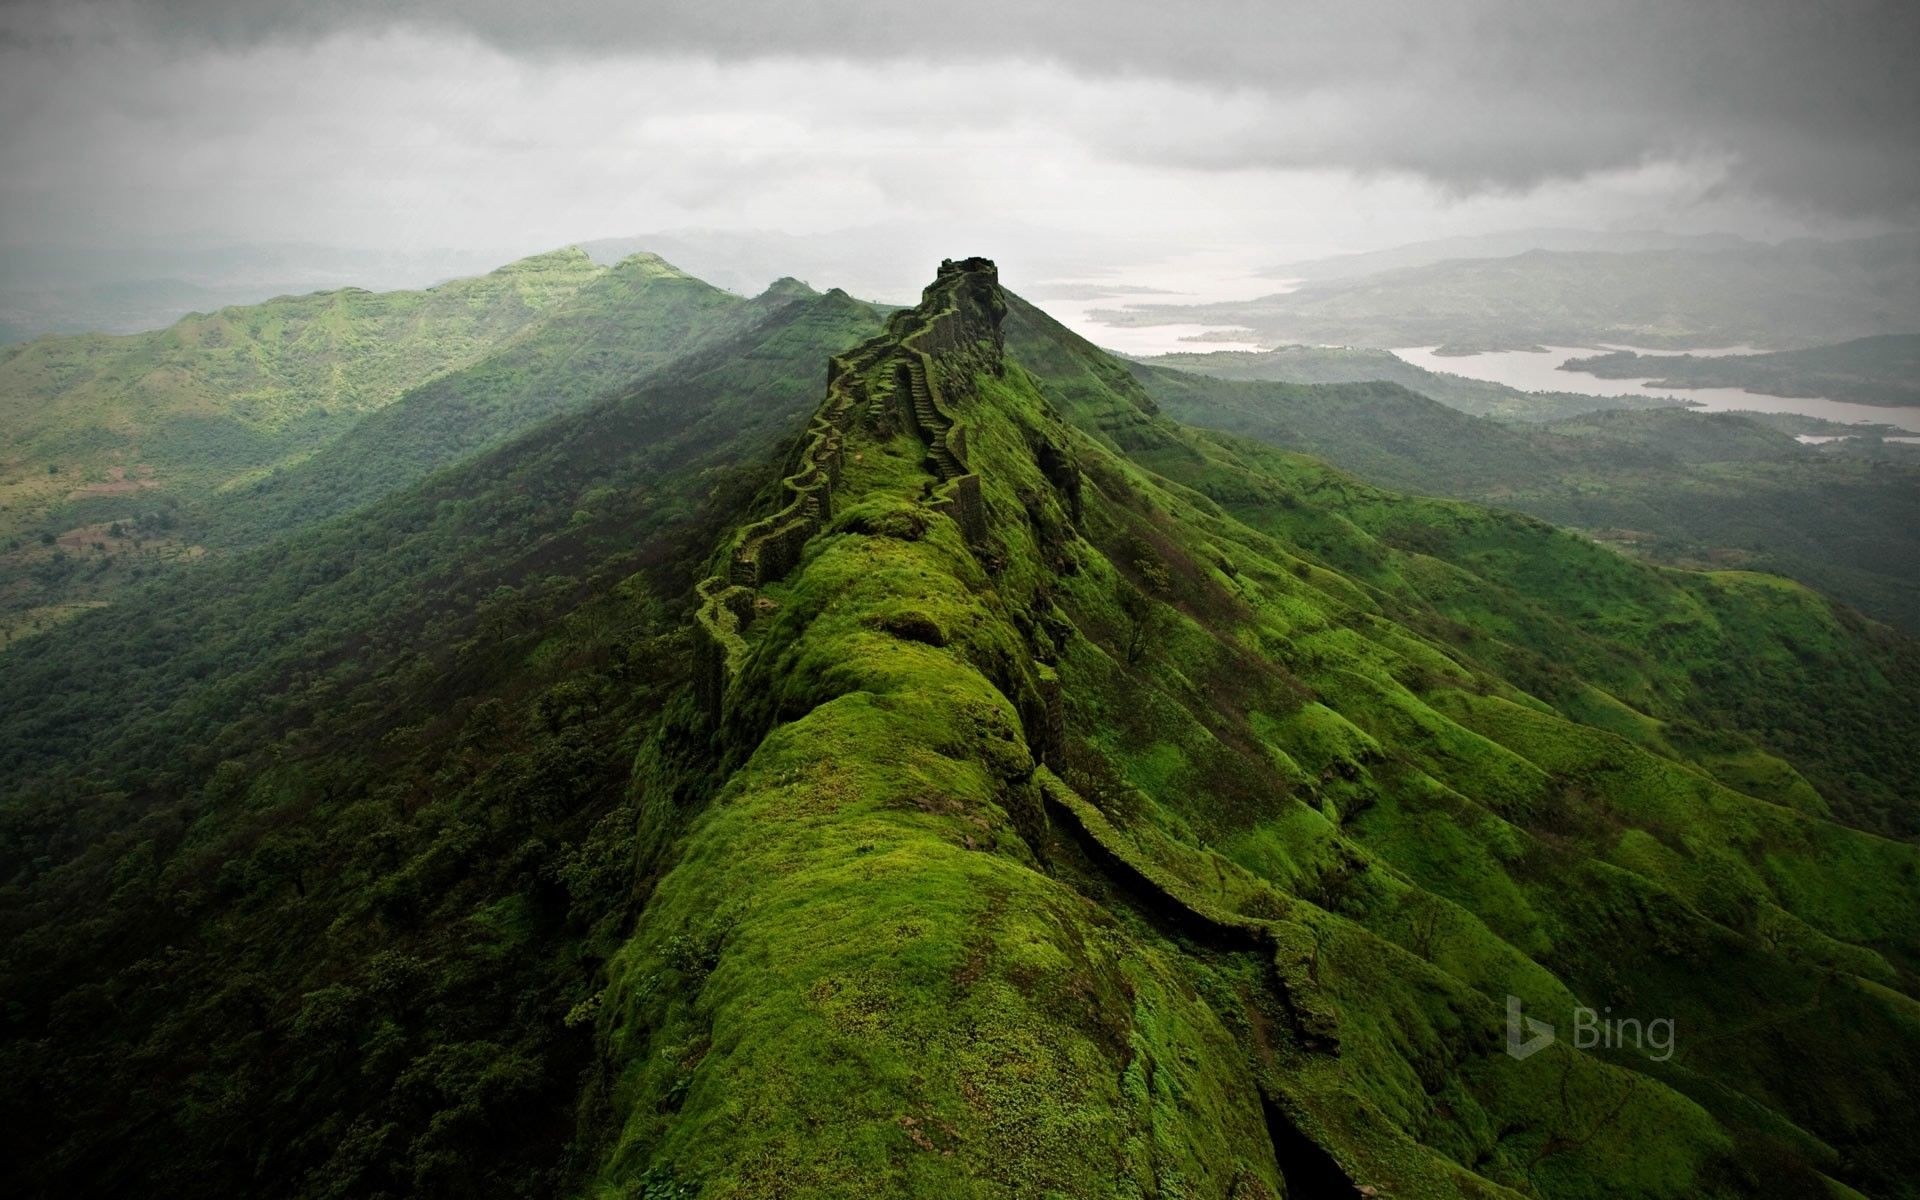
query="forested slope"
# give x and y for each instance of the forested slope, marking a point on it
(1689, 488)
(366, 782)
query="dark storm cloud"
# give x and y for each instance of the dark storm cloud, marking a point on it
(1815, 104)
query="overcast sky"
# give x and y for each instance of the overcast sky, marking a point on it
(1135, 131)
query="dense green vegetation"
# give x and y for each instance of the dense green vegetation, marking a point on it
(194, 406)
(1873, 370)
(1800, 293)
(638, 316)
(364, 783)
(998, 789)
(1679, 487)
(614, 326)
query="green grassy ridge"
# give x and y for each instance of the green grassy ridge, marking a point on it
(618, 325)
(993, 1038)
(1697, 489)
(638, 316)
(319, 886)
(879, 758)
(219, 394)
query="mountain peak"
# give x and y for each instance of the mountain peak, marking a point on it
(788, 288)
(566, 258)
(646, 264)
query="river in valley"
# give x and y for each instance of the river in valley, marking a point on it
(1539, 371)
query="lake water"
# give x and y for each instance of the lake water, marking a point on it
(1202, 277)
(1538, 371)
(1146, 340)
(1821, 439)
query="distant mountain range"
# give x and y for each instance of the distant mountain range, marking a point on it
(135, 289)
(1504, 244)
(1795, 294)
(1881, 370)
(1353, 364)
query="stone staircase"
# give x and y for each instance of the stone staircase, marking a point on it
(857, 392)
(933, 425)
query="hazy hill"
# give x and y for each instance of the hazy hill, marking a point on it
(1875, 370)
(1796, 294)
(1503, 244)
(1353, 364)
(640, 315)
(997, 789)
(191, 407)
(232, 480)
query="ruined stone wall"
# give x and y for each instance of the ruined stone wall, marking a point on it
(960, 499)
(770, 547)
(718, 646)
(937, 349)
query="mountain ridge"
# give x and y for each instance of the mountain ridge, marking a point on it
(957, 779)
(899, 666)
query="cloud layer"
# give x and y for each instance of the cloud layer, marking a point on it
(1812, 104)
(1059, 136)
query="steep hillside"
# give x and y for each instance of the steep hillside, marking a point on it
(306, 857)
(1679, 487)
(1092, 807)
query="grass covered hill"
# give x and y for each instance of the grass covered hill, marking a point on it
(640, 316)
(996, 789)
(1875, 370)
(218, 395)
(617, 325)
(1092, 804)
(1678, 487)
